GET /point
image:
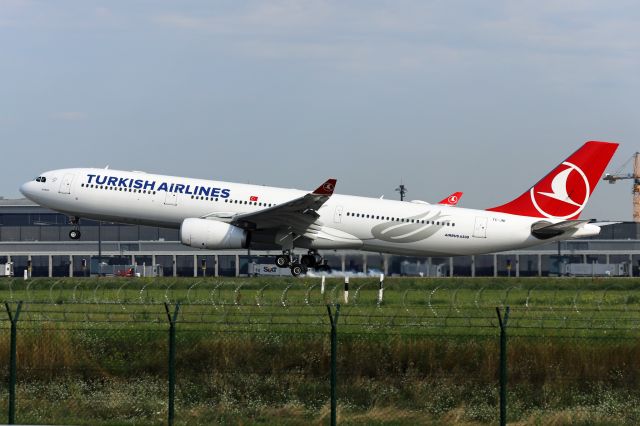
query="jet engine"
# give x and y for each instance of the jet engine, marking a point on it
(211, 234)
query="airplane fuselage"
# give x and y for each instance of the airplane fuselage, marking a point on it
(344, 221)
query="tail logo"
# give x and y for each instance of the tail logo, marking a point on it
(563, 201)
(453, 199)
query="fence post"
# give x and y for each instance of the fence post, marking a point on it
(172, 360)
(503, 364)
(334, 356)
(12, 361)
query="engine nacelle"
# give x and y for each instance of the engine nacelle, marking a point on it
(211, 234)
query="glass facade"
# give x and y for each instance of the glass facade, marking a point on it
(89, 233)
(167, 264)
(24, 230)
(226, 266)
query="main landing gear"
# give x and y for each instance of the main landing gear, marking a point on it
(303, 263)
(75, 234)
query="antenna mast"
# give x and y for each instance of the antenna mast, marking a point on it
(402, 190)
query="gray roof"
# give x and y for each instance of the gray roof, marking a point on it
(18, 202)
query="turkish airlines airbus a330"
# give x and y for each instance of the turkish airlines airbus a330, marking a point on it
(219, 215)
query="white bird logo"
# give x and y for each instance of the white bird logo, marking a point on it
(560, 192)
(559, 188)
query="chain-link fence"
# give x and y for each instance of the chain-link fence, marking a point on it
(244, 353)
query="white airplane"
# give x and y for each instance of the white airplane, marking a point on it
(219, 215)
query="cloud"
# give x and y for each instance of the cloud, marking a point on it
(180, 21)
(419, 35)
(275, 17)
(103, 12)
(70, 116)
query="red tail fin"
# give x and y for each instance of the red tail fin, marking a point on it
(563, 193)
(452, 199)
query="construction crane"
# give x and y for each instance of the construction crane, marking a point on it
(613, 178)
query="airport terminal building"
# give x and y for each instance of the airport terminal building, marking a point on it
(36, 236)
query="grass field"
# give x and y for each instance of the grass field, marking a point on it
(569, 307)
(256, 351)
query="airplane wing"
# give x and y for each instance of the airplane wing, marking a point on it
(297, 215)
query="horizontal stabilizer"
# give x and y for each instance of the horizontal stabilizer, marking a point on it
(545, 230)
(604, 223)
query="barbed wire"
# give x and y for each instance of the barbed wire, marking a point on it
(353, 319)
(306, 293)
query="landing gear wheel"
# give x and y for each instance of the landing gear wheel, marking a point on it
(308, 260)
(74, 234)
(298, 269)
(282, 261)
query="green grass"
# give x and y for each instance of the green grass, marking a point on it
(567, 307)
(256, 351)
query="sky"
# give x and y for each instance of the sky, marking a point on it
(472, 96)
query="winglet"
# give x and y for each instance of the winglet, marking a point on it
(452, 199)
(326, 188)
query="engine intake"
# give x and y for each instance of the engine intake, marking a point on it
(211, 234)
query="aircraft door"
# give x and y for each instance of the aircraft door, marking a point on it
(171, 199)
(480, 229)
(337, 217)
(65, 185)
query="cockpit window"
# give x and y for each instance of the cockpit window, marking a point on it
(41, 179)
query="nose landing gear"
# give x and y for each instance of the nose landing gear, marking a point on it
(75, 234)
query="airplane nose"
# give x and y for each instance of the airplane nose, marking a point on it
(27, 189)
